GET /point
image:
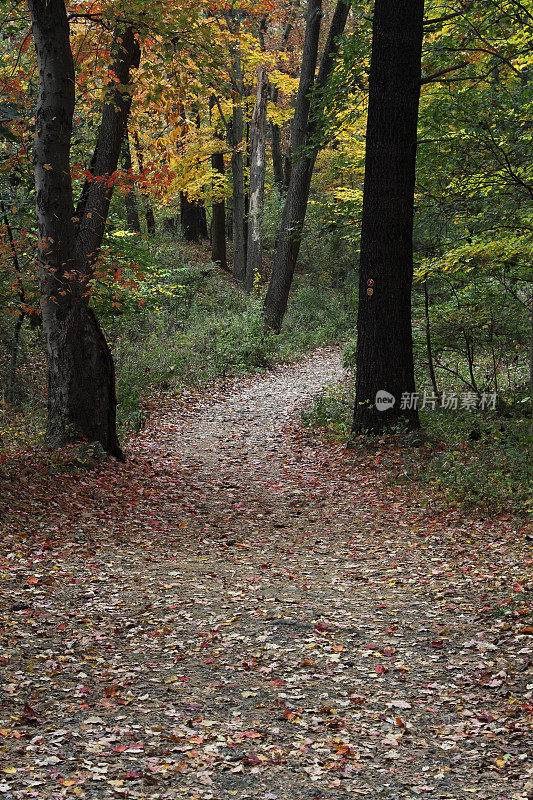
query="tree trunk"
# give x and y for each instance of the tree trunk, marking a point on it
(218, 230)
(304, 147)
(81, 380)
(277, 157)
(148, 210)
(237, 173)
(193, 219)
(218, 224)
(130, 199)
(384, 358)
(429, 348)
(254, 252)
(12, 372)
(280, 176)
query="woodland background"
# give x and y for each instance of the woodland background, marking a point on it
(171, 291)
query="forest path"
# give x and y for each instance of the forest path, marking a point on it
(243, 611)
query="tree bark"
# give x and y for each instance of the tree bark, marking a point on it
(218, 225)
(130, 199)
(429, 347)
(254, 251)
(148, 210)
(237, 173)
(81, 379)
(12, 372)
(281, 178)
(384, 357)
(193, 219)
(304, 147)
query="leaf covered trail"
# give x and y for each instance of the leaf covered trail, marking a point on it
(244, 611)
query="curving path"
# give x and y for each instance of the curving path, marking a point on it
(244, 612)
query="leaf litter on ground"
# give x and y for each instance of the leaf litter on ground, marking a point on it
(244, 611)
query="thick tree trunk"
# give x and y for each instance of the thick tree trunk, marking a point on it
(384, 358)
(237, 173)
(130, 199)
(81, 381)
(254, 252)
(193, 219)
(304, 146)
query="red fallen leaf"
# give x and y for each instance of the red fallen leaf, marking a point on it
(527, 630)
(381, 668)
(322, 627)
(29, 716)
(120, 749)
(437, 644)
(250, 759)
(132, 775)
(32, 581)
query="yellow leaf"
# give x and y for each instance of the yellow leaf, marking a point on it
(47, 166)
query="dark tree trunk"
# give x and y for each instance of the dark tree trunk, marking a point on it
(254, 251)
(148, 210)
(81, 380)
(218, 224)
(218, 230)
(125, 54)
(130, 199)
(277, 156)
(237, 173)
(429, 348)
(304, 147)
(193, 219)
(12, 372)
(384, 358)
(275, 130)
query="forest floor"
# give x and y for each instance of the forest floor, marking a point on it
(244, 611)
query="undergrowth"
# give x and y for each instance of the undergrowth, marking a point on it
(473, 459)
(181, 326)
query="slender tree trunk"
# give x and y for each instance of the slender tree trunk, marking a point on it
(280, 175)
(218, 224)
(429, 348)
(384, 358)
(254, 253)
(130, 199)
(237, 173)
(11, 377)
(305, 145)
(275, 139)
(81, 380)
(148, 210)
(218, 229)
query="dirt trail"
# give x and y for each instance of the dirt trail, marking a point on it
(245, 612)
